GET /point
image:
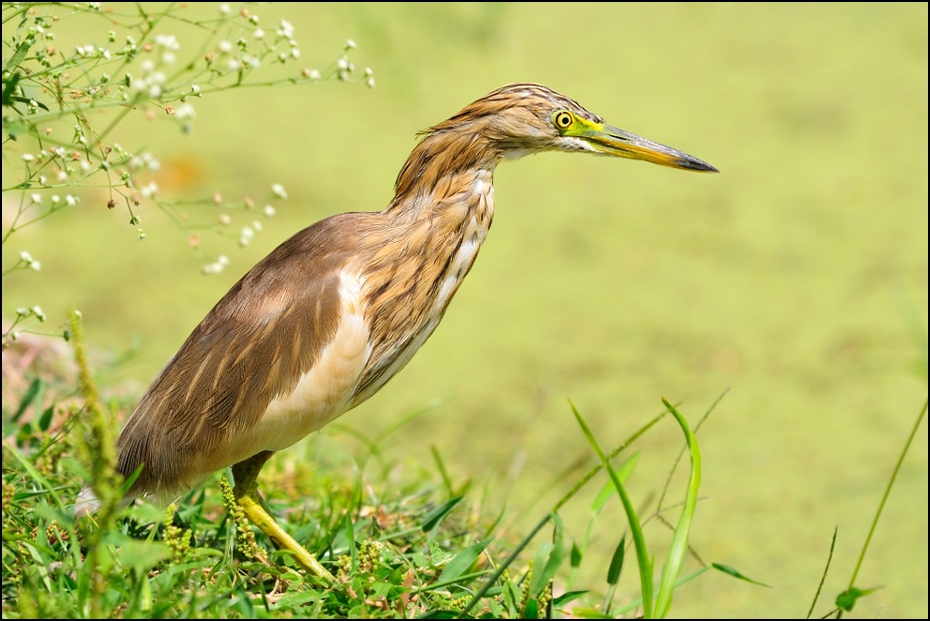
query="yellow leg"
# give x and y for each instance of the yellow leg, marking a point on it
(246, 493)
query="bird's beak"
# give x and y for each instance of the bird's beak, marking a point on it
(614, 141)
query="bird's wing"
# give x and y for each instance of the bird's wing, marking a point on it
(256, 347)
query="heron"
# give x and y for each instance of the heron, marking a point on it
(333, 313)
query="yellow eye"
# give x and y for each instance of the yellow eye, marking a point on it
(563, 119)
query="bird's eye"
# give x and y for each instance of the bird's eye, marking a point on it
(563, 119)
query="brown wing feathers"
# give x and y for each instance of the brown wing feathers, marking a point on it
(251, 347)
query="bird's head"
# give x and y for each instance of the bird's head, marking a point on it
(521, 119)
(517, 120)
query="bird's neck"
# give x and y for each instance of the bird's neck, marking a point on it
(443, 159)
(427, 241)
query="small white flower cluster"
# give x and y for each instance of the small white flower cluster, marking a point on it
(278, 190)
(169, 45)
(143, 74)
(151, 83)
(63, 162)
(144, 160)
(32, 311)
(21, 314)
(29, 262)
(217, 266)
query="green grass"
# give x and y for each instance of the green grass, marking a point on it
(401, 540)
(399, 545)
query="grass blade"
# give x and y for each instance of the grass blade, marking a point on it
(679, 549)
(851, 594)
(639, 541)
(463, 561)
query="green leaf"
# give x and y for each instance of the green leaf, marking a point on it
(444, 614)
(643, 559)
(570, 596)
(549, 557)
(463, 561)
(575, 555)
(9, 85)
(847, 599)
(45, 420)
(142, 555)
(18, 57)
(436, 516)
(679, 547)
(732, 572)
(616, 563)
(532, 609)
(293, 600)
(28, 398)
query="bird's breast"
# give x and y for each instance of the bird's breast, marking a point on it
(408, 296)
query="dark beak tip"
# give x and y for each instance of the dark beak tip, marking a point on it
(697, 165)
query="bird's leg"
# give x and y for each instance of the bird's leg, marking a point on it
(246, 494)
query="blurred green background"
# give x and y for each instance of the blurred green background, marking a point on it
(797, 278)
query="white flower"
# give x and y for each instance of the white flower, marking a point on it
(195, 89)
(224, 46)
(286, 29)
(169, 42)
(217, 266)
(149, 190)
(245, 237)
(71, 200)
(36, 198)
(350, 44)
(259, 34)
(224, 8)
(37, 311)
(185, 111)
(28, 157)
(278, 190)
(269, 211)
(25, 256)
